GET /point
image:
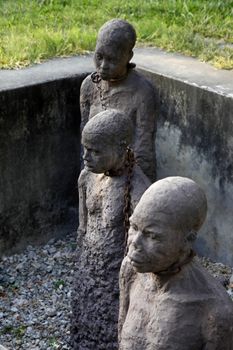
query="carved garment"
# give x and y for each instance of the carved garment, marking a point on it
(95, 297)
(134, 96)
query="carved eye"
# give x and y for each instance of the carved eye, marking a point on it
(151, 235)
(111, 59)
(134, 227)
(99, 57)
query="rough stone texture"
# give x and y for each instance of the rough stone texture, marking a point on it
(49, 71)
(123, 88)
(39, 157)
(2, 348)
(167, 300)
(101, 233)
(194, 137)
(186, 69)
(195, 140)
(35, 289)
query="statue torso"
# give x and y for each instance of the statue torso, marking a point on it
(176, 317)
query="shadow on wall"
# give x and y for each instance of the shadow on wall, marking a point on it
(194, 139)
(39, 157)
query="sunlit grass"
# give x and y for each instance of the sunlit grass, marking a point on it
(34, 30)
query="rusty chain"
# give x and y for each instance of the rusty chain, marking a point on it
(96, 79)
(130, 161)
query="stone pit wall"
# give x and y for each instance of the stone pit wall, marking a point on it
(39, 147)
(195, 139)
(39, 162)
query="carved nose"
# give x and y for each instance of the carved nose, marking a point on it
(104, 65)
(137, 241)
(86, 155)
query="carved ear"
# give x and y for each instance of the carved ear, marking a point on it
(191, 236)
(130, 55)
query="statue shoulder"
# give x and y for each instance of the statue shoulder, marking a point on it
(86, 86)
(146, 91)
(127, 272)
(143, 81)
(83, 177)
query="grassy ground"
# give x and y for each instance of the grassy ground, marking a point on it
(34, 30)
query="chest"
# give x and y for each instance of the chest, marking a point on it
(154, 321)
(121, 98)
(105, 199)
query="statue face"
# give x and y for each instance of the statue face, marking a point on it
(111, 60)
(99, 157)
(154, 245)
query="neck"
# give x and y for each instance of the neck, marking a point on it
(163, 276)
(123, 167)
(116, 171)
(122, 77)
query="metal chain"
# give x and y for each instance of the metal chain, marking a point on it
(96, 79)
(130, 161)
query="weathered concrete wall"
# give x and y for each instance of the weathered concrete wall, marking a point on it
(195, 139)
(39, 161)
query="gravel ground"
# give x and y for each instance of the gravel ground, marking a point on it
(35, 295)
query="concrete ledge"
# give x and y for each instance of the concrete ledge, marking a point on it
(49, 71)
(185, 69)
(194, 139)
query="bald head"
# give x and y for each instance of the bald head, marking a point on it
(110, 126)
(118, 32)
(163, 225)
(179, 198)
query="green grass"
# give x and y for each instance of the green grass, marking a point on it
(16, 331)
(34, 30)
(58, 283)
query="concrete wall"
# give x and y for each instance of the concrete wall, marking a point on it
(39, 161)
(195, 139)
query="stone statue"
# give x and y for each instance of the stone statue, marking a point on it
(116, 84)
(167, 300)
(108, 182)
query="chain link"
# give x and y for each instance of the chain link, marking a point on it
(130, 161)
(96, 79)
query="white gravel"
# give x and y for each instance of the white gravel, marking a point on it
(35, 291)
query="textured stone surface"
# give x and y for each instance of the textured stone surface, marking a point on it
(194, 139)
(167, 300)
(101, 233)
(120, 86)
(47, 271)
(39, 157)
(35, 289)
(186, 69)
(2, 348)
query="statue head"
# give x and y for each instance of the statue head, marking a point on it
(105, 139)
(114, 49)
(164, 224)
